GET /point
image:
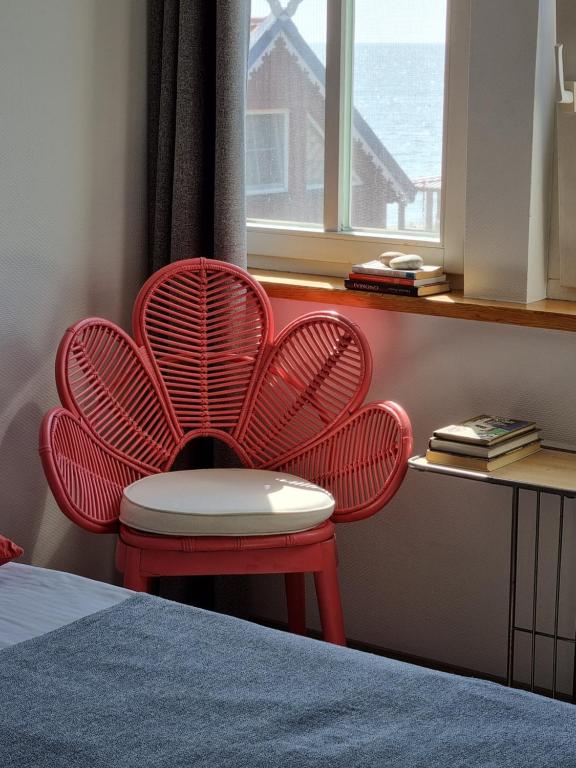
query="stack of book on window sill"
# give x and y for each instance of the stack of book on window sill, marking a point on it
(376, 277)
(484, 443)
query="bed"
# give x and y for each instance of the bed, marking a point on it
(93, 675)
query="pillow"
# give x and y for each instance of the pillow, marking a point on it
(8, 550)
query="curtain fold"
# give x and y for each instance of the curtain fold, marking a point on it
(197, 64)
(198, 51)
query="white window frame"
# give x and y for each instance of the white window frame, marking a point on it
(269, 189)
(332, 249)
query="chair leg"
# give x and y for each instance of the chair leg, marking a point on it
(133, 579)
(296, 601)
(120, 555)
(328, 594)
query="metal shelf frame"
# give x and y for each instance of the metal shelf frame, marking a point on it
(550, 471)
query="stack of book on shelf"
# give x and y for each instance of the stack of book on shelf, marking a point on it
(376, 277)
(484, 443)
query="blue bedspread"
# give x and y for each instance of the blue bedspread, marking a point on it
(154, 684)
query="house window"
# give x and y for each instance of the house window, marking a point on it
(266, 152)
(364, 83)
(314, 155)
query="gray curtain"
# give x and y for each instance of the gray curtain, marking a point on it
(197, 61)
(198, 51)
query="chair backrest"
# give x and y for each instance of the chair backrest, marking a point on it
(204, 361)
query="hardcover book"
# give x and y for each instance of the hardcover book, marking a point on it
(378, 268)
(484, 430)
(396, 290)
(477, 464)
(396, 280)
(483, 451)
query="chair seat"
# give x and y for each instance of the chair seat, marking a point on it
(224, 502)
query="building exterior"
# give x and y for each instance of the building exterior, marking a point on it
(285, 137)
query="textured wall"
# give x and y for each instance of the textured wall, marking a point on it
(428, 576)
(72, 164)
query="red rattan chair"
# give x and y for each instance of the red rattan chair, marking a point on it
(205, 362)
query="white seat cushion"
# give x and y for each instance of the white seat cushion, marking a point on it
(224, 502)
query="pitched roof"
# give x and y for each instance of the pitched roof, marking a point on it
(265, 35)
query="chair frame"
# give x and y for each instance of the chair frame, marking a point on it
(205, 362)
(141, 557)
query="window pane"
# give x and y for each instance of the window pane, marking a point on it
(285, 112)
(314, 155)
(397, 134)
(266, 152)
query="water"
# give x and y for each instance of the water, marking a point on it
(399, 91)
(398, 88)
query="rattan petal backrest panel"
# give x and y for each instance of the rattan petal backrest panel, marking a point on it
(206, 326)
(362, 462)
(101, 376)
(204, 361)
(86, 477)
(319, 370)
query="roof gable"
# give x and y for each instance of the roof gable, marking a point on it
(262, 41)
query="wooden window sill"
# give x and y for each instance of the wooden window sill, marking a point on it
(548, 313)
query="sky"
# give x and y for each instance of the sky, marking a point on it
(376, 21)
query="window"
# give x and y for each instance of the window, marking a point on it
(266, 152)
(438, 137)
(364, 83)
(286, 72)
(398, 115)
(314, 155)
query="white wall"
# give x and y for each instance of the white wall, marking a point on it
(428, 575)
(72, 175)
